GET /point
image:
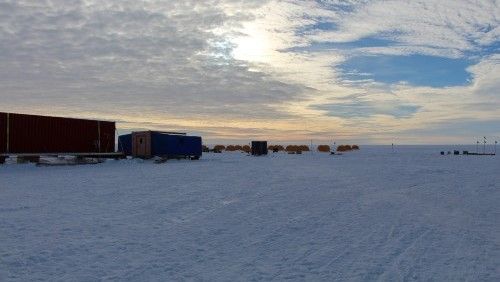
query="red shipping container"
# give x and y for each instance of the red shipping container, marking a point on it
(43, 134)
(3, 133)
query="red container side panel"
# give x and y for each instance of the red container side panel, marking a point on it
(107, 130)
(3, 132)
(41, 134)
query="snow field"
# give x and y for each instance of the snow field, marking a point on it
(363, 216)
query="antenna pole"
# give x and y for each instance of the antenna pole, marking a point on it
(484, 145)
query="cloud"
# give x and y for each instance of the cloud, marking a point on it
(162, 55)
(452, 42)
(231, 69)
(456, 26)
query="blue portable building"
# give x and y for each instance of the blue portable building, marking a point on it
(147, 144)
(125, 144)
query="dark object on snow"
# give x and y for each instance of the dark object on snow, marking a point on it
(259, 148)
(482, 154)
(32, 134)
(170, 145)
(465, 152)
(160, 160)
(442, 153)
(28, 159)
(456, 152)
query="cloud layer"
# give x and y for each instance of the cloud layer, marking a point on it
(244, 69)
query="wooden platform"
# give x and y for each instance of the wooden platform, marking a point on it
(35, 157)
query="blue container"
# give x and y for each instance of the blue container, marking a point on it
(125, 144)
(175, 145)
(154, 143)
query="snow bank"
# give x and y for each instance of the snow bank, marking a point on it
(372, 214)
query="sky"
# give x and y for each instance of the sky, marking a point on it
(353, 71)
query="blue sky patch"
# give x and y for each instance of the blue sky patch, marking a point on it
(319, 25)
(366, 109)
(417, 70)
(322, 26)
(487, 50)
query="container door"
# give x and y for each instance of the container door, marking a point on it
(142, 144)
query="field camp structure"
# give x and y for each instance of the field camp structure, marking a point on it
(168, 145)
(479, 152)
(259, 148)
(29, 138)
(34, 138)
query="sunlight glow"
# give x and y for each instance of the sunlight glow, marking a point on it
(253, 45)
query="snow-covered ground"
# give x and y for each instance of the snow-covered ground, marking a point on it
(362, 216)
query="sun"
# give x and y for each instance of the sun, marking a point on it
(253, 45)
